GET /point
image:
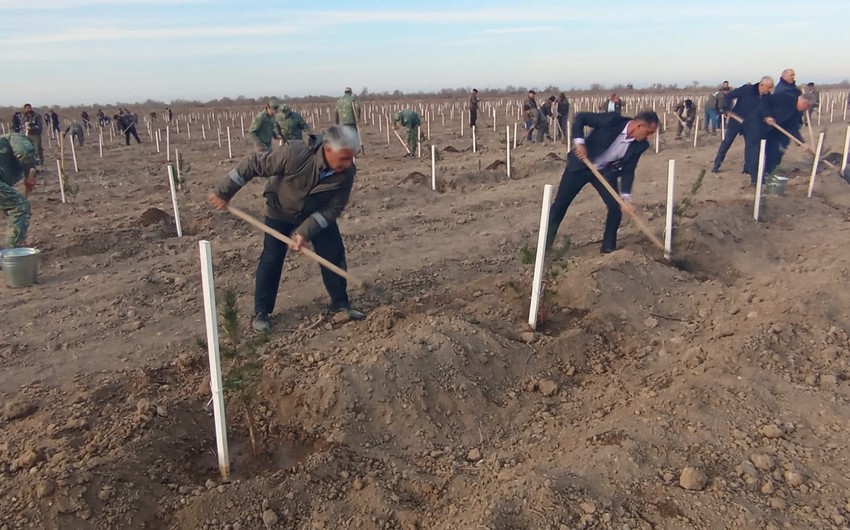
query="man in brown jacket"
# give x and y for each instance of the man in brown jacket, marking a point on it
(309, 186)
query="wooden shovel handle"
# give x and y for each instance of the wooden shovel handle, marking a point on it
(638, 221)
(790, 136)
(395, 132)
(306, 251)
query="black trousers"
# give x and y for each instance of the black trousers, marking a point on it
(571, 185)
(733, 129)
(774, 150)
(473, 116)
(751, 157)
(327, 244)
(128, 132)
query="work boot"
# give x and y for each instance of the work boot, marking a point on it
(261, 323)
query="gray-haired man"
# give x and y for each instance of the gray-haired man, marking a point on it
(309, 186)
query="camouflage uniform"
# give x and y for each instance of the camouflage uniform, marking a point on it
(348, 110)
(262, 130)
(15, 205)
(31, 125)
(410, 119)
(289, 124)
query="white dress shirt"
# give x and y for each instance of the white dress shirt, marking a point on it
(616, 151)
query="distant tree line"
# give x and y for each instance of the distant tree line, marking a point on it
(366, 94)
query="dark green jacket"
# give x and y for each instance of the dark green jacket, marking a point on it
(290, 126)
(345, 110)
(407, 118)
(294, 193)
(15, 164)
(262, 130)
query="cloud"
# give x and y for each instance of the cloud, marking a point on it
(83, 35)
(514, 31)
(16, 5)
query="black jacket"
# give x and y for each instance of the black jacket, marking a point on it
(783, 108)
(606, 127)
(747, 96)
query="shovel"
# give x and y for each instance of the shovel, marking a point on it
(844, 175)
(638, 221)
(366, 286)
(402, 142)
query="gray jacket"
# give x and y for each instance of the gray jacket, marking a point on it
(294, 193)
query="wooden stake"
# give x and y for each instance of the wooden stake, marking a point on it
(815, 165)
(696, 130)
(174, 201)
(73, 152)
(229, 146)
(508, 148)
(759, 179)
(809, 126)
(671, 206)
(433, 167)
(211, 319)
(540, 258)
(61, 180)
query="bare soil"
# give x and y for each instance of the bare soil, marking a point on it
(707, 393)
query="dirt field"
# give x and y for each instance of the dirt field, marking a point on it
(709, 395)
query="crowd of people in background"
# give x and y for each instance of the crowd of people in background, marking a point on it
(755, 111)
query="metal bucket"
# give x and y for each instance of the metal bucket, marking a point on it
(20, 266)
(776, 186)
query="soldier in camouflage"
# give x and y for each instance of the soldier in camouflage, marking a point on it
(410, 119)
(15, 205)
(289, 124)
(32, 125)
(262, 130)
(348, 110)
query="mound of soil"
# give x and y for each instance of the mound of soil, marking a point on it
(711, 392)
(153, 216)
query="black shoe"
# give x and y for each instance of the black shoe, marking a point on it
(607, 248)
(353, 314)
(715, 169)
(261, 323)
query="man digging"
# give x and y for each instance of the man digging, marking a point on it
(309, 186)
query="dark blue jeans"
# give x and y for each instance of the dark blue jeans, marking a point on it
(327, 244)
(711, 118)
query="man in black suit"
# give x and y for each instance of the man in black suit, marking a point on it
(614, 147)
(746, 98)
(785, 109)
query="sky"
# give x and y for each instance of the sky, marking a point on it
(69, 52)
